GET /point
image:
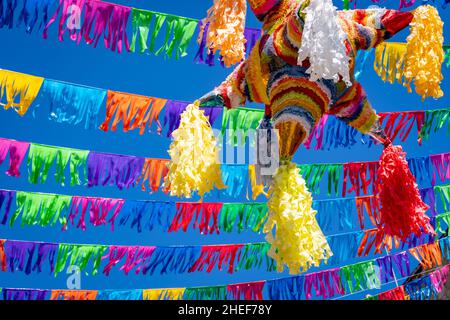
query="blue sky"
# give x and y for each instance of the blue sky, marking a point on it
(166, 78)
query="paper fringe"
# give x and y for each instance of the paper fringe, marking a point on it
(206, 293)
(153, 172)
(110, 169)
(204, 216)
(134, 111)
(237, 122)
(79, 255)
(221, 256)
(225, 33)
(41, 158)
(194, 165)
(434, 121)
(246, 291)
(72, 104)
(17, 151)
(163, 294)
(178, 34)
(136, 257)
(298, 241)
(74, 295)
(234, 178)
(99, 210)
(40, 209)
(18, 90)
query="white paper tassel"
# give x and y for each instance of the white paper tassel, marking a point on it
(323, 43)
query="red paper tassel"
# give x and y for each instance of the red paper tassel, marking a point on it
(402, 211)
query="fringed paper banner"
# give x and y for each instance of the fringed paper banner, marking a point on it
(318, 134)
(72, 104)
(224, 256)
(428, 196)
(206, 293)
(99, 211)
(242, 216)
(25, 294)
(6, 199)
(74, 295)
(326, 284)
(26, 256)
(40, 209)
(173, 259)
(174, 109)
(204, 56)
(34, 13)
(421, 169)
(178, 33)
(41, 158)
(2, 255)
(339, 134)
(444, 196)
(429, 256)
(254, 256)
(420, 289)
(286, 288)
(134, 111)
(79, 255)
(125, 295)
(336, 216)
(344, 247)
(163, 294)
(147, 215)
(235, 178)
(368, 207)
(135, 257)
(434, 121)
(441, 167)
(439, 278)
(18, 90)
(386, 267)
(443, 223)
(203, 215)
(154, 172)
(394, 294)
(313, 174)
(246, 291)
(359, 277)
(401, 123)
(237, 122)
(447, 54)
(111, 169)
(360, 175)
(17, 151)
(100, 20)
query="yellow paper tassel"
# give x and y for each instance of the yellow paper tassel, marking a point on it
(15, 84)
(298, 242)
(194, 164)
(424, 53)
(226, 20)
(163, 294)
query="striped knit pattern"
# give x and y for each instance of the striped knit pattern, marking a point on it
(297, 104)
(354, 109)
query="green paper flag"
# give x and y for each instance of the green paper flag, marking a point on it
(79, 255)
(206, 293)
(40, 209)
(434, 121)
(253, 256)
(239, 121)
(178, 32)
(242, 216)
(444, 194)
(41, 158)
(313, 174)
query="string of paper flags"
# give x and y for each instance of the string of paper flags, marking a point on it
(80, 105)
(335, 216)
(324, 284)
(100, 169)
